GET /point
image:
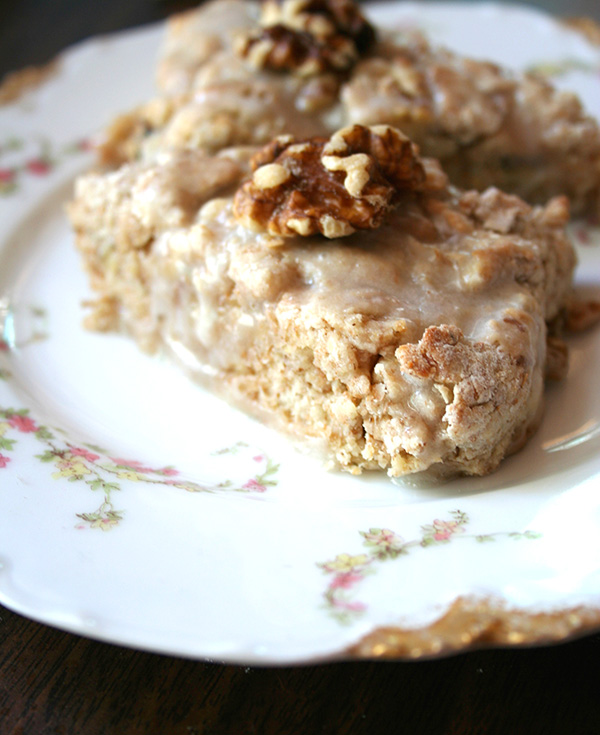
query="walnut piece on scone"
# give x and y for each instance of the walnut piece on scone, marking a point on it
(332, 187)
(323, 19)
(307, 37)
(283, 49)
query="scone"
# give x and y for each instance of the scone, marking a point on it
(486, 125)
(235, 73)
(342, 291)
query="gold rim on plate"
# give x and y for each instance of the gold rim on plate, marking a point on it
(476, 623)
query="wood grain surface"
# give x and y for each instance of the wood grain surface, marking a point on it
(55, 683)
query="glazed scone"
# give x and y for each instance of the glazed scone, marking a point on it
(486, 125)
(233, 75)
(194, 36)
(343, 292)
(228, 78)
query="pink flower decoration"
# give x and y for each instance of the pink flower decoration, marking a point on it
(349, 606)
(345, 580)
(132, 465)
(78, 452)
(6, 175)
(4, 346)
(118, 460)
(254, 486)
(445, 529)
(38, 166)
(22, 423)
(4, 461)
(259, 458)
(167, 471)
(356, 606)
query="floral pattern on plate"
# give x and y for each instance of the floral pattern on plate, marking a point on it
(90, 464)
(104, 474)
(277, 601)
(383, 545)
(20, 158)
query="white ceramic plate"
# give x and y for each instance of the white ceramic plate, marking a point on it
(136, 508)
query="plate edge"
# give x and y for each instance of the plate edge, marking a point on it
(473, 623)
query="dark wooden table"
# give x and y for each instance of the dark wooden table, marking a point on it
(55, 683)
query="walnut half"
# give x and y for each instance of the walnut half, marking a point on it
(307, 37)
(329, 186)
(323, 19)
(284, 49)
